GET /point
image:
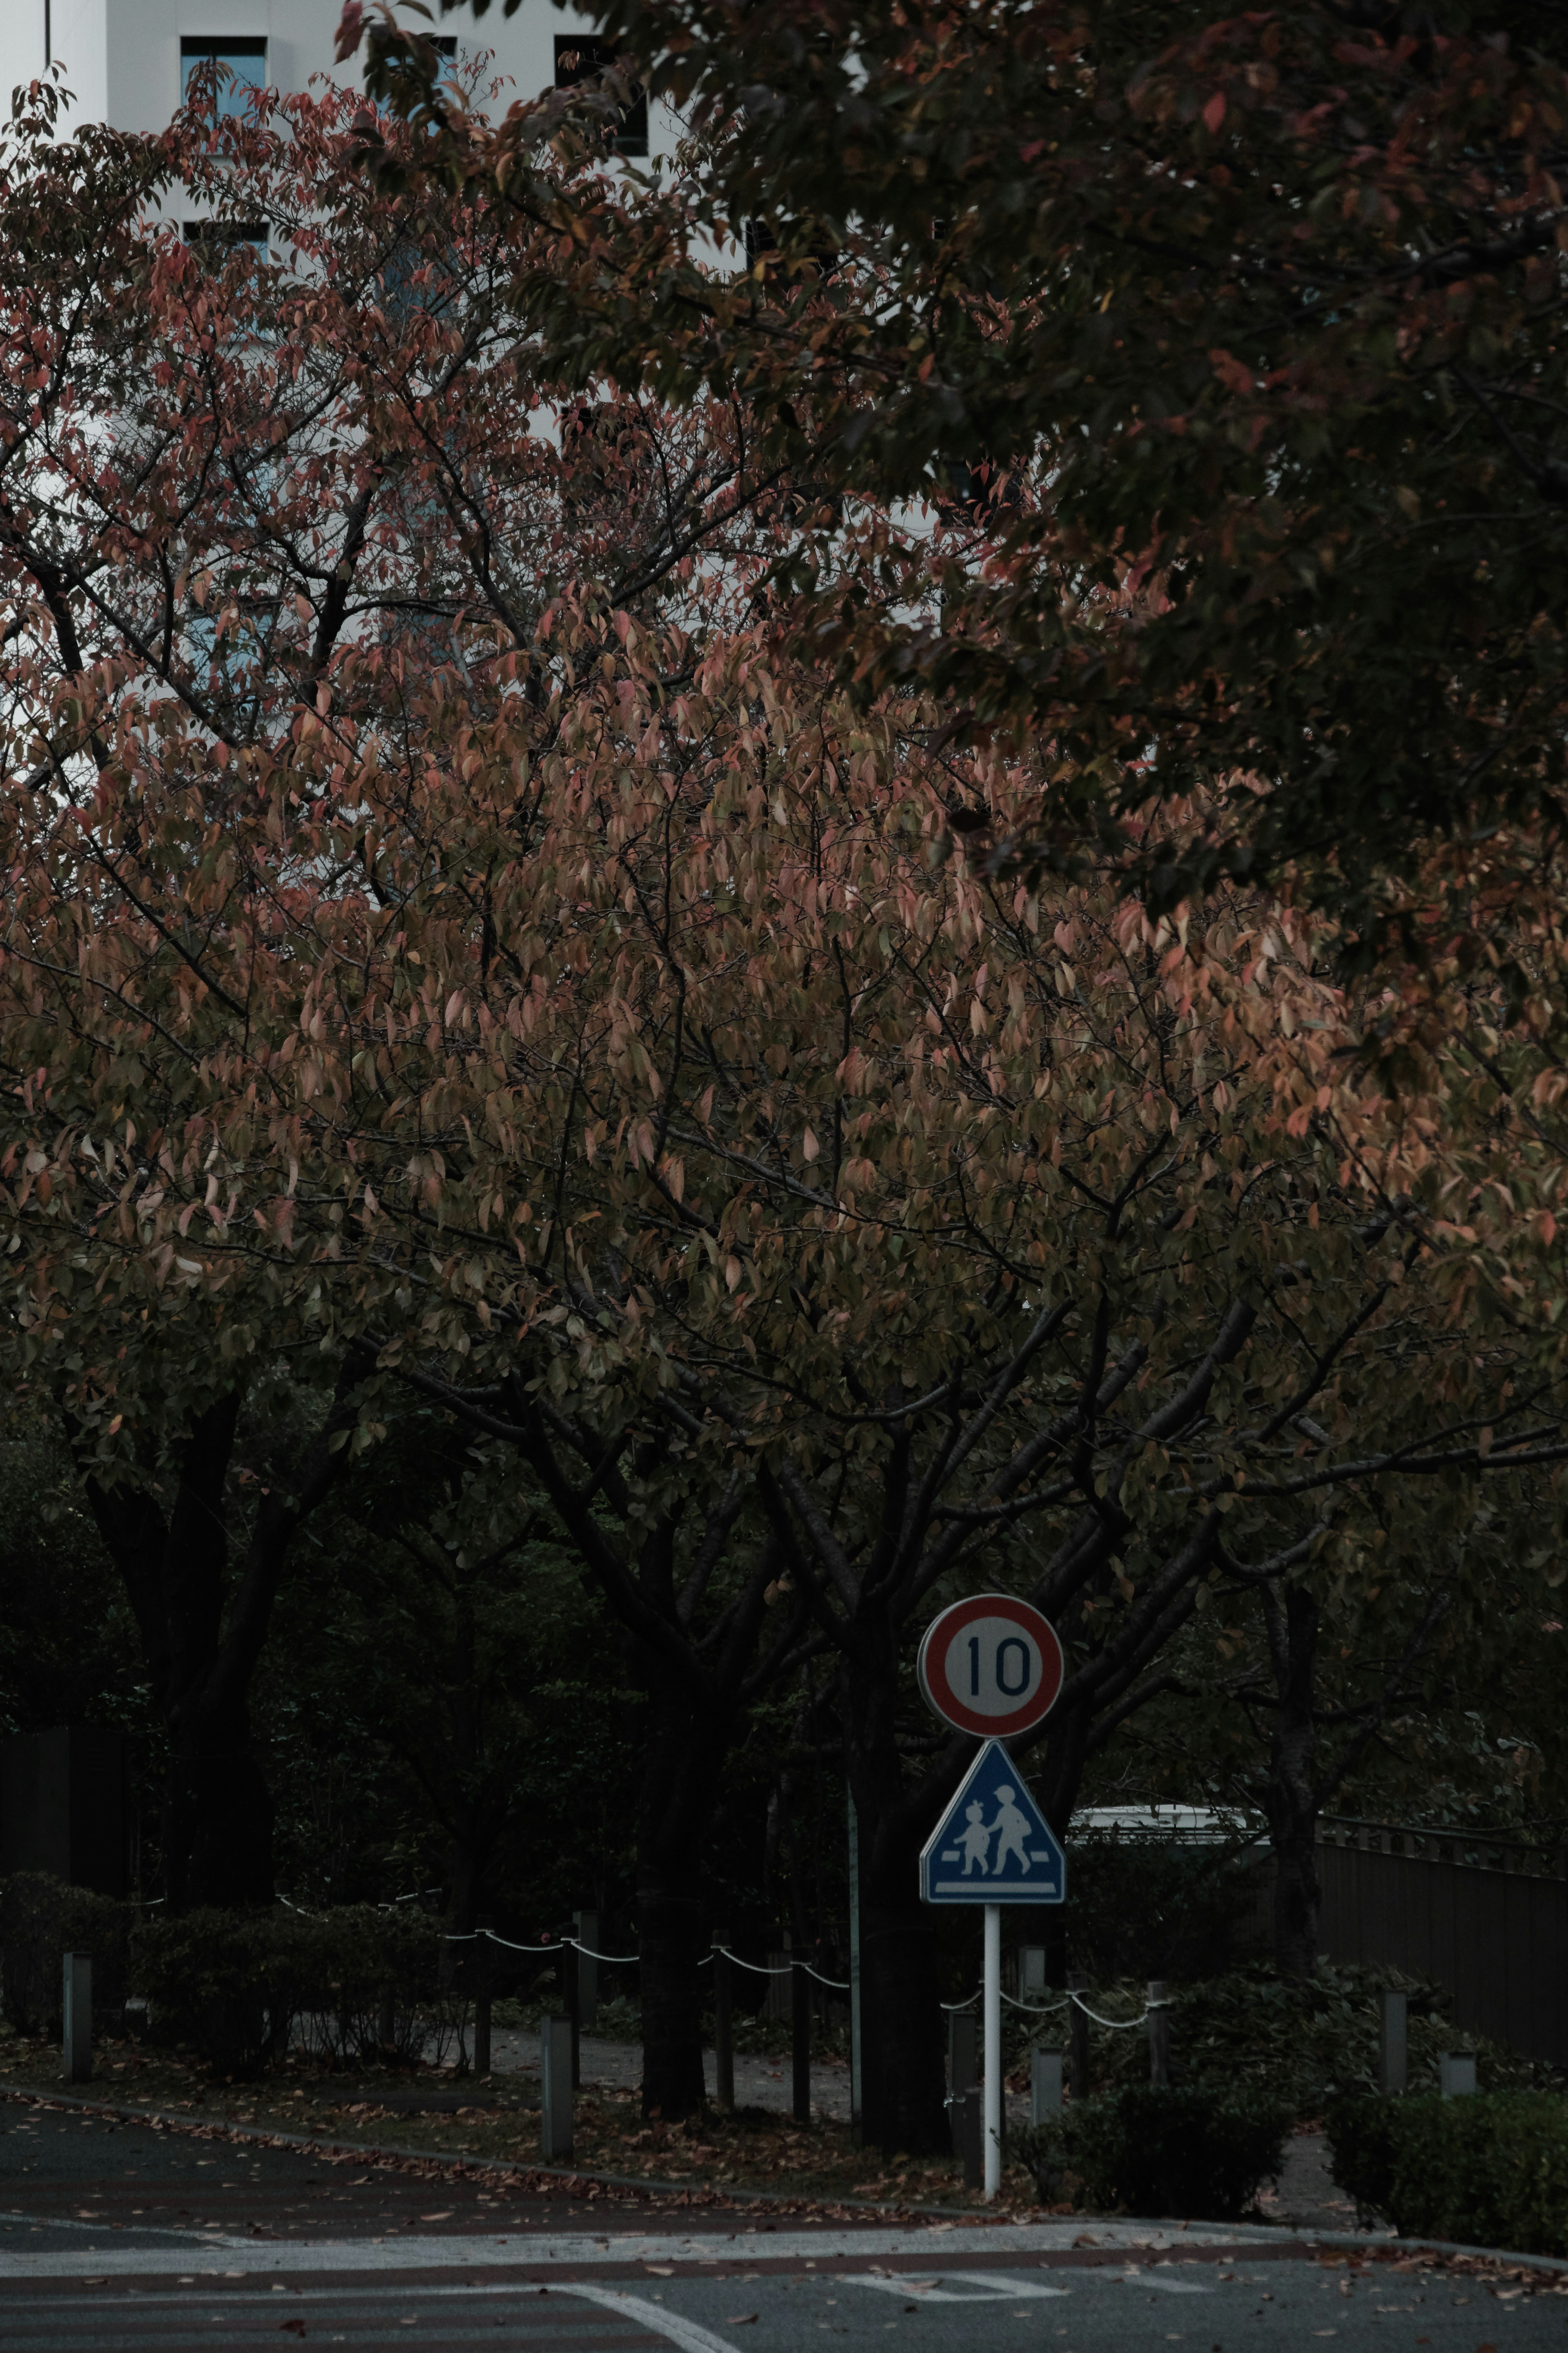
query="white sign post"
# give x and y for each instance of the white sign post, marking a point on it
(994, 1666)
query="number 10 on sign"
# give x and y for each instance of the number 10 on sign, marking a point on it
(990, 1665)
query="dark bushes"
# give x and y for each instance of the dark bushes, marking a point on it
(1489, 2170)
(41, 1920)
(354, 1984)
(1194, 2151)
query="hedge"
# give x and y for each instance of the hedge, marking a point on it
(1305, 2039)
(1489, 2169)
(349, 1985)
(41, 1920)
(1196, 2151)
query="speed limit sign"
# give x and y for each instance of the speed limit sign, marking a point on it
(990, 1665)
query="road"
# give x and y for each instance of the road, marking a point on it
(120, 2236)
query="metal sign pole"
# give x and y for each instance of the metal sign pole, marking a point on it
(993, 2007)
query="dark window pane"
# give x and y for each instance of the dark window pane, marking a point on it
(578, 57)
(215, 240)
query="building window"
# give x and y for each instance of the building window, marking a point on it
(579, 57)
(242, 68)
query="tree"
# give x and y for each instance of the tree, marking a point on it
(568, 1021)
(817, 1235)
(218, 475)
(1265, 309)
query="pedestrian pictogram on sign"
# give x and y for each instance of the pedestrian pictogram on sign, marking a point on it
(992, 1846)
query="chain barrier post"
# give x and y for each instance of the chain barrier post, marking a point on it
(1392, 2042)
(1045, 2084)
(800, 2040)
(962, 2095)
(1077, 2038)
(1045, 2107)
(723, 2026)
(585, 1928)
(485, 1921)
(1159, 2035)
(1457, 2073)
(555, 2041)
(76, 2050)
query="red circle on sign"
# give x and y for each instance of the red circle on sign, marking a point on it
(977, 1653)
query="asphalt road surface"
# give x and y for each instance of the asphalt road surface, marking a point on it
(123, 2236)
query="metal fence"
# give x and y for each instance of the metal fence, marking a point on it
(1487, 1917)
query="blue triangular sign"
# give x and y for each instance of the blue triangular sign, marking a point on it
(992, 1846)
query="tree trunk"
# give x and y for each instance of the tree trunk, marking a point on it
(1290, 1797)
(903, 2086)
(687, 1746)
(218, 1813)
(202, 1633)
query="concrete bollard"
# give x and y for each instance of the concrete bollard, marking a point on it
(1044, 2086)
(1031, 1972)
(555, 2088)
(1392, 2042)
(76, 2053)
(1456, 2074)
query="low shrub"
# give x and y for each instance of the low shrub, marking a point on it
(1489, 2169)
(41, 1920)
(1193, 2150)
(1303, 2040)
(230, 1982)
(372, 1985)
(350, 1985)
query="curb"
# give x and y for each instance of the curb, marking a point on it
(1393, 2244)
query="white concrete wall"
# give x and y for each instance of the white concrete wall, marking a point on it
(122, 57)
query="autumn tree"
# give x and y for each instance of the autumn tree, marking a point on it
(220, 473)
(556, 1008)
(1267, 306)
(818, 1230)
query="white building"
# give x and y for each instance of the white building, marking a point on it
(127, 61)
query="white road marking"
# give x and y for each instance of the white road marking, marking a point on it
(919, 2286)
(688, 2333)
(1164, 2280)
